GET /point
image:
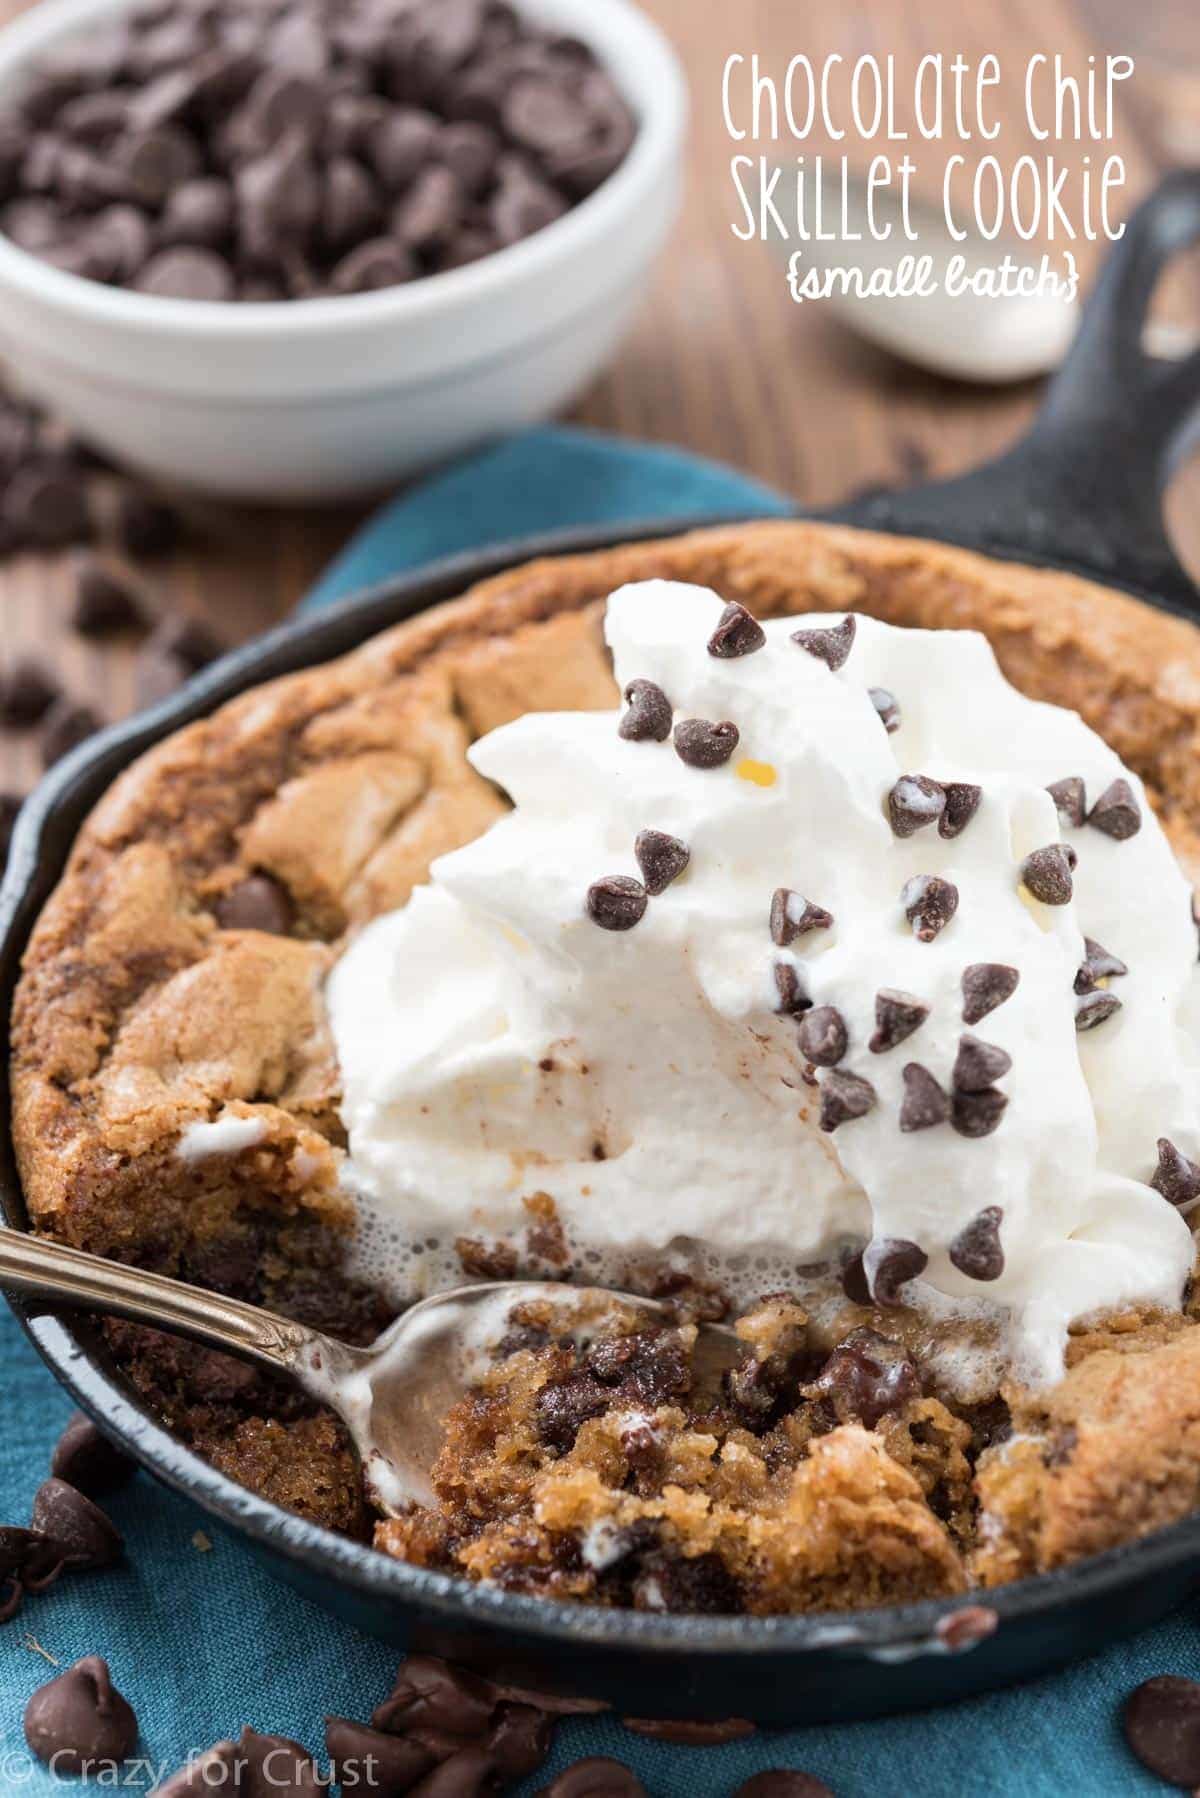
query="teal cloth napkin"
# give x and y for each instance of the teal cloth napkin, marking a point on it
(201, 1640)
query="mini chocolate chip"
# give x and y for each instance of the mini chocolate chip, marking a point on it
(793, 997)
(844, 1096)
(648, 719)
(887, 706)
(87, 1536)
(889, 1262)
(779, 1782)
(867, 1376)
(793, 915)
(596, 1777)
(65, 726)
(962, 803)
(26, 693)
(1161, 1720)
(897, 1015)
(256, 903)
(85, 1459)
(146, 526)
(929, 904)
(385, 1765)
(1117, 812)
(824, 1038)
(976, 1249)
(925, 1104)
(978, 1065)
(832, 645)
(914, 802)
(1098, 964)
(1047, 874)
(616, 902)
(1176, 1178)
(661, 858)
(1093, 1008)
(1070, 799)
(737, 633)
(104, 603)
(79, 1722)
(978, 1114)
(985, 985)
(854, 1281)
(704, 745)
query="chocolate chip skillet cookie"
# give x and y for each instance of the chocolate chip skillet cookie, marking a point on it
(805, 970)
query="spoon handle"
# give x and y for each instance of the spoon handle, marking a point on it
(50, 1270)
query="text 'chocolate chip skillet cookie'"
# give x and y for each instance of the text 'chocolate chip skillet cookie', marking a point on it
(807, 971)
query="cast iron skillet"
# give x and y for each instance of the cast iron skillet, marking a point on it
(1082, 493)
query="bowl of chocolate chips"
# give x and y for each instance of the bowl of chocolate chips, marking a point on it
(297, 249)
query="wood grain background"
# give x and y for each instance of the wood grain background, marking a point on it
(720, 359)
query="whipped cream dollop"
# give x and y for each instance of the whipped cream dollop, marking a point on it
(875, 1002)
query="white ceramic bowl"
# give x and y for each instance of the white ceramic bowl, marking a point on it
(318, 399)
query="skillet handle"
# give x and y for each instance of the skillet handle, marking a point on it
(1084, 488)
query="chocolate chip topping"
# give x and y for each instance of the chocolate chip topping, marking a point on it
(793, 915)
(104, 603)
(865, 1377)
(823, 1036)
(962, 803)
(661, 858)
(978, 1065)
(1117, 812)
(914, 802)
(976, 1249)
(978, 1114)
(793, 997)
(887, 705)
(616, 902)
(80, 1528)
(1176, 1178)
(985, 985)
(79, 1722)
(844, 1096)
(1070, 799)
(85, 1458)
(1162, 1726)
(595, 1777)
(737, 633)
(256, 903)
(704, 745)
(897, 1015)
(1098, 964)
(1047, 874)
(925, 1103)
(648, 719)
(929, 904)
(888, 1263)
(1093, 1008)
(779, 1782)
(831, 646)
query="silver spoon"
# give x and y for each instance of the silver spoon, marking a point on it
(393, 1396)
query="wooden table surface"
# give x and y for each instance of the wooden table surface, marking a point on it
(720, 360)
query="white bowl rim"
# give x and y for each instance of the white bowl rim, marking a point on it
(662, 120)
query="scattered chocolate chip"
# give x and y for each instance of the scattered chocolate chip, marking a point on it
(26, 693)
(844, 1096)
(519, 1740)
(1098, 964)
(595, 1777)
(616, 902)
(104, 602)
(649, 716)
(79, 1722)
(778, 1782)
(85, 1459)
(66, 725)
(1117, 812)
(1070, 799)
(889, 1262)
(1176, 1178)
(737, 633)
(925, 1104)
(793, 915)
(978, 1114)
(431, 1694)
(823, 1036)
(256, 903)
(964, 1629)
(886, 705)
(978, 1065)
(255, 1766)
(80, 1528)
(929, 904)
(866, 1377)
(976, 1250)
(1161, 1720)
(792, 995)
(1047, 874)
(831, 646)
(704, 745)
(914, 802)
(661, 859)
(962, 803)
(1094, 1008)
(387, 1766)
(985, 985)
(897, 1015)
